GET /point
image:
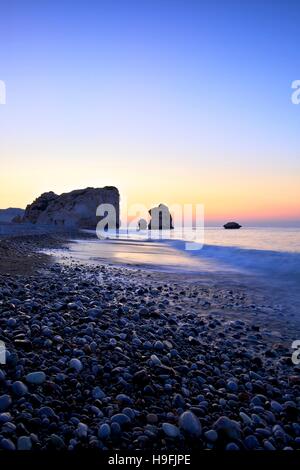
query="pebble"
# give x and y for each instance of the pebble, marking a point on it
(155, 360)
(11, 322)
(124, 399)
(232, 446)
(245, 418)
(24, 443)
(120, 418)
(189, 423)
(36, 378)
(251, 442)
(269, 446)
(57, 442)
(5, 402)
(82, 430)
(127, 362)
(19, 388)
(170, 430)
(232, 386)
(276, 407)
(104, 431)
(228, 427)
(7, 444)
(76, 364)
(98, 393)
(178, 401)
(46, 411)
(211, 435)
(115, 429)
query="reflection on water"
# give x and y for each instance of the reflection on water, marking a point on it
(269, 257)
(256, 238)
(275, 272)
(140, 253)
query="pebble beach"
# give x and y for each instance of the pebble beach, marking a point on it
(118, 358)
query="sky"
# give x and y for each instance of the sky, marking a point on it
(173, 101)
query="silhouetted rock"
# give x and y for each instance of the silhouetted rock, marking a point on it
(35, 211)
(161, 218)
(232, 225)
(8, 215)
(142, 224)
(74, 209)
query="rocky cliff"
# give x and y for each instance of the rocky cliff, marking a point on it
(74, 209)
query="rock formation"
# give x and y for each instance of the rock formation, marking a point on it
(232, 225)
(39, 209)
(7, 215)
(74, 209)
(161, 218)
(142, 224)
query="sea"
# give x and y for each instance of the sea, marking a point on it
(267, 257)
(273, 252)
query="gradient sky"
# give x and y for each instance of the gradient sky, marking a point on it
(171, 101)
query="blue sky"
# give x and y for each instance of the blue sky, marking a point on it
(111, 92)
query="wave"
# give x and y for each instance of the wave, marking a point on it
(264, 262)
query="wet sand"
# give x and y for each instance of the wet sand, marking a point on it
(143, 254)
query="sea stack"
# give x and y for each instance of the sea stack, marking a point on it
(142, 224)
(161, 218)
(232, 225)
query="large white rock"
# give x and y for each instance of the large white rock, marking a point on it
(74, 209)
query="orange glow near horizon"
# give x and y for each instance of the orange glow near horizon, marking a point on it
(171, 104)
(227, 195)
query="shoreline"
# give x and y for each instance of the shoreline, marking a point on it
(113, 358)
(29, 255)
